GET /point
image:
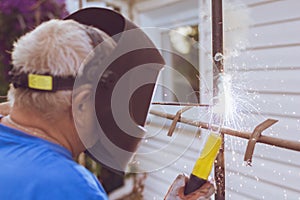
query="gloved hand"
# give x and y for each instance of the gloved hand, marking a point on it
(176, 191)
(4, 108)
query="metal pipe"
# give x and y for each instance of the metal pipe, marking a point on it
(80, 4)
(179, 104)
(217, 35)
(254, 137)
(281, 143)
(217, 53)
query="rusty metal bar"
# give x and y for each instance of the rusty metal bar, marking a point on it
(254, 137)
(176, 118)
(217, 57)
(217, 34)
(180, 104)
(281, 143)
(80, 4)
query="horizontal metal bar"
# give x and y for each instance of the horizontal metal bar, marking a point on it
(179, 104)
(282, 143)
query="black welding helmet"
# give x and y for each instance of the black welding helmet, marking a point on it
(122, 70)
(124, 83)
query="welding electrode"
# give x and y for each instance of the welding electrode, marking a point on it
(204, 164)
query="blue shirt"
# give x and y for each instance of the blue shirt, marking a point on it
(32, 169)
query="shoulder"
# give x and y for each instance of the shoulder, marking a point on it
(70, 180)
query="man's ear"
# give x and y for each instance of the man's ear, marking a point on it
(5, 108)
(81, 103)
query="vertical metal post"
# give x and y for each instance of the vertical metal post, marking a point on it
(80, 4)
(217, 54)
(131, 4)
(217, 35)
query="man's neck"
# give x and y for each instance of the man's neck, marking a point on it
(60, 130)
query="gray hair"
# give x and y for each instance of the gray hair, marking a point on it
(57, 47)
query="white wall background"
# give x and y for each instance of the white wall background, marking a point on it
(267, 71)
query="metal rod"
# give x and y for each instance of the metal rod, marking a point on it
(175, 120)
(80, 4)
(255, 136)
(217, 35)
(179, 104)
(217, 53)
(281, 143)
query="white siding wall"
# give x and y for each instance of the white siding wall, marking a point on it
(269, 70)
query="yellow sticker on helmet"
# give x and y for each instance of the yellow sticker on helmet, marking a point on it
(40, 82)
